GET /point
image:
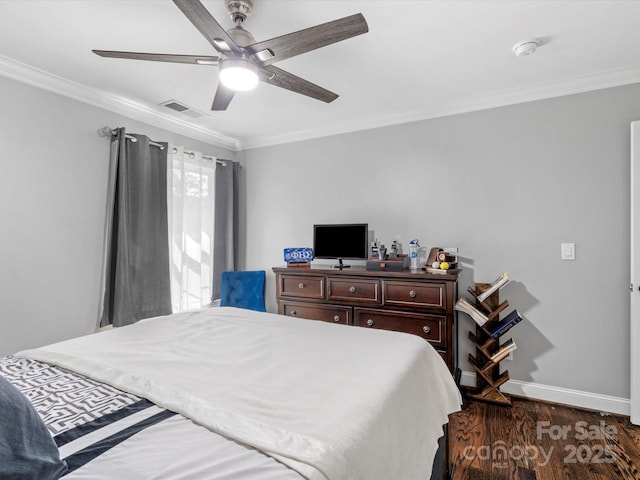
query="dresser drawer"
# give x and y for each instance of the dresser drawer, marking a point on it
(353, 289)
(429, 327)
(300, 286)
(325, 313)
(411, 294)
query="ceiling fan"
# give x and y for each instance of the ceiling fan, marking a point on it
(243, 61)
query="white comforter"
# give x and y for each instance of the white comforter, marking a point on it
(331, 401)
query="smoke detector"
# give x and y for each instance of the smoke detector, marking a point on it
(526, 47)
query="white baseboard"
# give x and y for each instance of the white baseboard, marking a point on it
(566, 396)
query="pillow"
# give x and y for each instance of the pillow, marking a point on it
(27, 451)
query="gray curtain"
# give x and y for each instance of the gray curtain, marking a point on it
(225, 235)
(137, 283)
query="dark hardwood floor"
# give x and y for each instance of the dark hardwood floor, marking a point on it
(541, 441)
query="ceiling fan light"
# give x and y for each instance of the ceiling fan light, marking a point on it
(238, 74)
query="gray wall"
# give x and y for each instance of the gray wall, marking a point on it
(52, 207)
(506, 186)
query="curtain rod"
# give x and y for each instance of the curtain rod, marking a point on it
(107, 131)
(206, 157)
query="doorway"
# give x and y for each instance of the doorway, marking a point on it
(634, 285)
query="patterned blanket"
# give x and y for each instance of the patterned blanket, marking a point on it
(75, 408)
(63, 399)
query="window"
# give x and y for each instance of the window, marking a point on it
(191, 224)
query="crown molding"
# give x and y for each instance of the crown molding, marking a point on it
(24, 73)
(41, 79)
(502, 98)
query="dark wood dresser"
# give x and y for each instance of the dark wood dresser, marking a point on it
(418, 303)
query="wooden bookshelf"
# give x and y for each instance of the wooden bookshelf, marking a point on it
(488, 375)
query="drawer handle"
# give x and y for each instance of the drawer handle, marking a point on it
(412, 294)
(336, 318)
(352, 289)
(370, 322)
(426, 329)
(301, 285)
(293, 313)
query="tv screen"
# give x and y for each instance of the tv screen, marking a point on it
(348, 241)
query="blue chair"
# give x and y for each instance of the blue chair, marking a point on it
(243, 290)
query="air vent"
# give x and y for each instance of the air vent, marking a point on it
(178, 107)
(182, 109)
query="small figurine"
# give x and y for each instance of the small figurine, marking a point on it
(374, 249)
(394, 250)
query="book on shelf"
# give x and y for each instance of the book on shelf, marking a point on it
(498, 283)
(504, 325)
(505, 349)
(463, 305)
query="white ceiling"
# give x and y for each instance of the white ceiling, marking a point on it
(420, 59)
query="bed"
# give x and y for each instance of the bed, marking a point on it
(227, 393)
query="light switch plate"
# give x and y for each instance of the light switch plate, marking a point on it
(568, 251)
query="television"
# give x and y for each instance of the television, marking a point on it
(341, 241)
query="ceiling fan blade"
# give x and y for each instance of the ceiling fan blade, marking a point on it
(279, 78)
(303, 41)
(222, 98)
(208, 27)
(160, 57)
